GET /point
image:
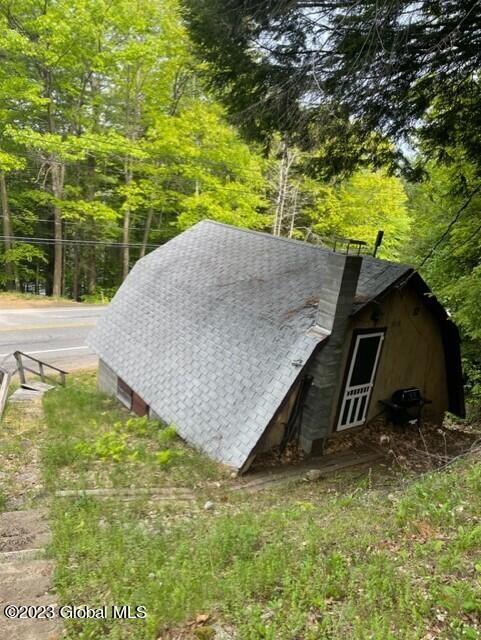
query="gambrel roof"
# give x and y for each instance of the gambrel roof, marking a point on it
(213, 328)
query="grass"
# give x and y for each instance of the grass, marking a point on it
(3, 501)
(311, 562)
(307, 567)
(93, 441)
(9, 296)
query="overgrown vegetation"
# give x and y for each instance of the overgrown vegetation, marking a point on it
(20, 480)
(360, 556)
(94, 441)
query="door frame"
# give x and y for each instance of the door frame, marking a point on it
(357, 335)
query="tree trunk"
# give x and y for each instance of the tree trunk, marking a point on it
(125, 244)
(37, 280)
(75, 274)
(148, 223)
(287, 158)
(58, 177)
(281, 192)
(126, 226)
(294, 210)
(92, 270)
(10, 268)
(90, 192)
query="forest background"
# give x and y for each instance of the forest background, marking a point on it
(117, 133)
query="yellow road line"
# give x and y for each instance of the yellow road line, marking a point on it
(36, 327)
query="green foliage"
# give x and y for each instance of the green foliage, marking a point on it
(3, 501)
(9, 162)
(167, 434)
(453, 268)
(105, 124)
(99, 295)
(360, 206)
(111, 445)
(164, 457)
(125, 442)
(329, 69)
(25, 257)
(139, 426)
(472, 370)
(87, 429)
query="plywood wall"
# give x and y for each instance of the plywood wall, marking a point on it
(274, 433)
(412, 353)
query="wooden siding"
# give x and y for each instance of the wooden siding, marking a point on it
(274, 433)
(412, 354)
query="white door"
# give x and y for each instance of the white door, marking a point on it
(360, 380)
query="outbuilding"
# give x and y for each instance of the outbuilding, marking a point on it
(244, 341)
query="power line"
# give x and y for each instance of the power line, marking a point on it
(454, 220)
(69, 223)
(53, 241)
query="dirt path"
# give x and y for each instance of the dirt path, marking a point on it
(25, 573)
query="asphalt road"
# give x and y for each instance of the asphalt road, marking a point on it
(53, 334)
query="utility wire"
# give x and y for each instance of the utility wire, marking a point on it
(69, 223)
(52, 241)
(454, 220)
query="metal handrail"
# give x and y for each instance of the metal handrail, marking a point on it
(21, 368)
(4, 384)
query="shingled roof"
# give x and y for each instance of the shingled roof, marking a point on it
(212, 329)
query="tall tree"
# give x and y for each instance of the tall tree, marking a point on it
(454, 267)
(347, 68)
(118, 140)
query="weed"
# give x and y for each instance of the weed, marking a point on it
(59, 454)
(87, 428)
(167, 434)
(164, 457)
(280, 565)
(111, 445)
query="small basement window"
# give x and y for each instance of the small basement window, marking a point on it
(124, 393)
(139, 407)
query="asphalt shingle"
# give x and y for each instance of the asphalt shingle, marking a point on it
(212, 329)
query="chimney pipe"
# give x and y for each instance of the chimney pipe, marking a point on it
(378, 242)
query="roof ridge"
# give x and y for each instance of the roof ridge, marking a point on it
(294, 241)
(266, 235)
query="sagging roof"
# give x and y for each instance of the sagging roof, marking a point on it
(213, 328)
